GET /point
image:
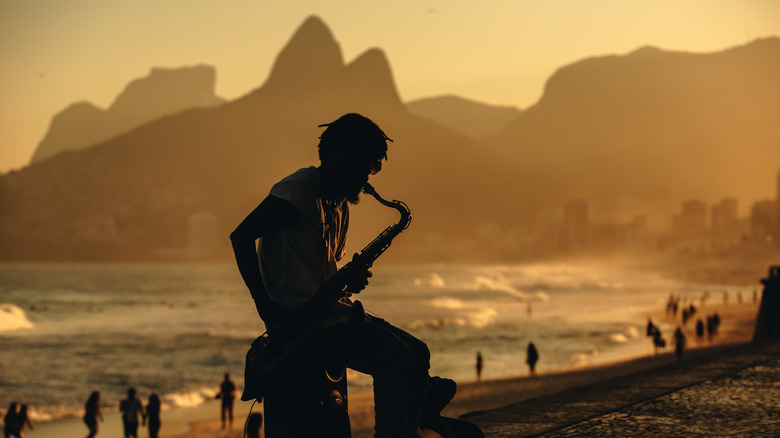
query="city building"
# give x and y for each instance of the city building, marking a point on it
(724, 222)
(691, 223)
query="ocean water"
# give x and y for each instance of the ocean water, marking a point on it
(68, 329)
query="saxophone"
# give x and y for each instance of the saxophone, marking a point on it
(272, 349)
(337, 287)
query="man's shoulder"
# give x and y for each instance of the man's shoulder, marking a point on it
(300, 187)
(303, 175)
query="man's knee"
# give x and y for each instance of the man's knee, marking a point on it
(421, 355)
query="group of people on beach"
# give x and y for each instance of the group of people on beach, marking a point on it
(688, 313)
(131, 408)
(15, 420)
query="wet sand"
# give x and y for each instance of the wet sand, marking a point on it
(737, 323)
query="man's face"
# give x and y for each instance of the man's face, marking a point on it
(352, 172)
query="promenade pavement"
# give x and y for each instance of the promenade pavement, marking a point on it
(730, 391)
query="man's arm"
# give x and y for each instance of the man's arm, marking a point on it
(272, 214)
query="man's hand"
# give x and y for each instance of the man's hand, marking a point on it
(359, 282)
(359, 279)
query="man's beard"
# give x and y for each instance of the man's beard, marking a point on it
(350, 186)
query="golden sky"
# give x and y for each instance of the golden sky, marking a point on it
(57, 52)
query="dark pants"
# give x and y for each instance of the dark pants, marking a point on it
(227, 408)
(130, 427)
(399, 364)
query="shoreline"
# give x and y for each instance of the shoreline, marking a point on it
(473, 396)
(738, 321)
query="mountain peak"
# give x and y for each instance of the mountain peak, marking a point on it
(168, 90)
(647, 51)
(163, 92)
(311, 55)
(370, 73)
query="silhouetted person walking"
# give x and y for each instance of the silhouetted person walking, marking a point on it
(131, 409)
(713, 321)
(679, 342)
(152, 415)
(92, 413)
(658, 340)
(532, 356)
(699, 331)
(22, 420)
(10, 420)
(480, 361)
(302, 228)
(227, 392)
(651, 328)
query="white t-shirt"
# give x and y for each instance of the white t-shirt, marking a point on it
(295, 263)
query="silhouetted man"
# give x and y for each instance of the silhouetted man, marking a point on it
(679, 342)
(131, 408)
(302, 228)
(227, 392)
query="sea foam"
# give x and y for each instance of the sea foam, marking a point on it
(12, 317)
(188, 398)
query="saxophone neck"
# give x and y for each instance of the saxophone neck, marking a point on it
(370, 190)
(398, 205)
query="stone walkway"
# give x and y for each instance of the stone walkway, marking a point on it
(734, 391)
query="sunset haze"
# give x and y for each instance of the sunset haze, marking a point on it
(56, 53)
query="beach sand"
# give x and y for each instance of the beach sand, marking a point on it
(737, 324)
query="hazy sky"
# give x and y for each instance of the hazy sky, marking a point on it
(57, 52)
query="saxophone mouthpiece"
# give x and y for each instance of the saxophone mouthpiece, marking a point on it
(368, 189)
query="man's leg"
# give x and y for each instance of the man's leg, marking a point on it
(133, 426)
(395, 360)
(421, 364)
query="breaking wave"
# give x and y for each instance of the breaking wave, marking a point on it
(583, 359)
(624, 336)
(462, 315)
(12, 317)
(188, 399)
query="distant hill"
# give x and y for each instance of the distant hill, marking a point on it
(162, 92)
(131, 197)
(639, 130)
(656, 127)
(468, 117)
